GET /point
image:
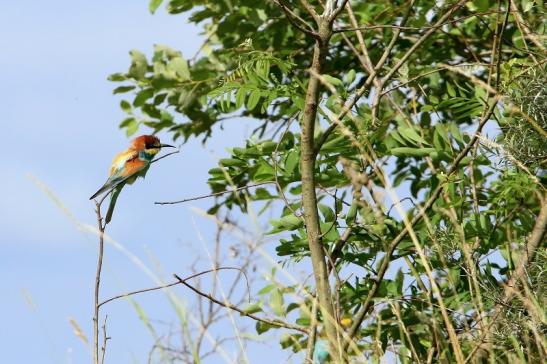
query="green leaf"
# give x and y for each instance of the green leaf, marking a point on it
(352, 212)
(450, 90)
(350, 76)
(527, 5)
(426, 108)
(143, 96)
(253, 99)
(287, 340)
(180, 67)
(399, 281)
(123, 89)
(438, 140)
(117, 77)
(413, 152)
(240, 97)
(139, 65)
(126, 106)
(262, 327)
(126, 122)
(232, 162)
(265, 172)
(327, 212)
(287, 222)
(266, 289)
(425, 342)
(252, 307)
(411, 135)
(333, 80)
(153, 5)
(263, 194)
(293, 158)
(132, 127)
(277, 302)
(329, 230)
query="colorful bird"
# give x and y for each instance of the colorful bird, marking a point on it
(128, 166)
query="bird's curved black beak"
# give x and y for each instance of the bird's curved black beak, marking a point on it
(167, 146)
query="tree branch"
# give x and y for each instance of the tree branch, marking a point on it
(307, 29)
(309, 196)
(214, 194)
(105, 339)
(309, 8)
(277, 323)
(416, 29)
(176, 283)
(338, 10)
(101, 227)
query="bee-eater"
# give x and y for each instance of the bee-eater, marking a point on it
(128, 165)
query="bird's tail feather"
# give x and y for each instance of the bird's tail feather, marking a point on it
(110, 183)
(105, 187)
(115, 193)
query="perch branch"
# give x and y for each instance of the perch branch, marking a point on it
(98, 282)
(164, 156)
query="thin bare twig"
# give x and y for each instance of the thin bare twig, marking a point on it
(313, 331)
(176, 283)
(338, 10)
(309, 8)
(293, 18)
(228, 305)
(214, 194)
(447, 67)
(105, 339)
(98, 283)
(416, 29)
(164, 156)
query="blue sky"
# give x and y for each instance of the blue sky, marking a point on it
(59, 121)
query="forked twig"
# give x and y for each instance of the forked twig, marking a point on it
(105, 339)
(98, 284)
(178, 282)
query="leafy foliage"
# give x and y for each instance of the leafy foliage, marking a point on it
(524, 132)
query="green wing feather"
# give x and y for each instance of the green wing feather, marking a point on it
(113, 197)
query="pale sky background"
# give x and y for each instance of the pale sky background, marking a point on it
(60, 124)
